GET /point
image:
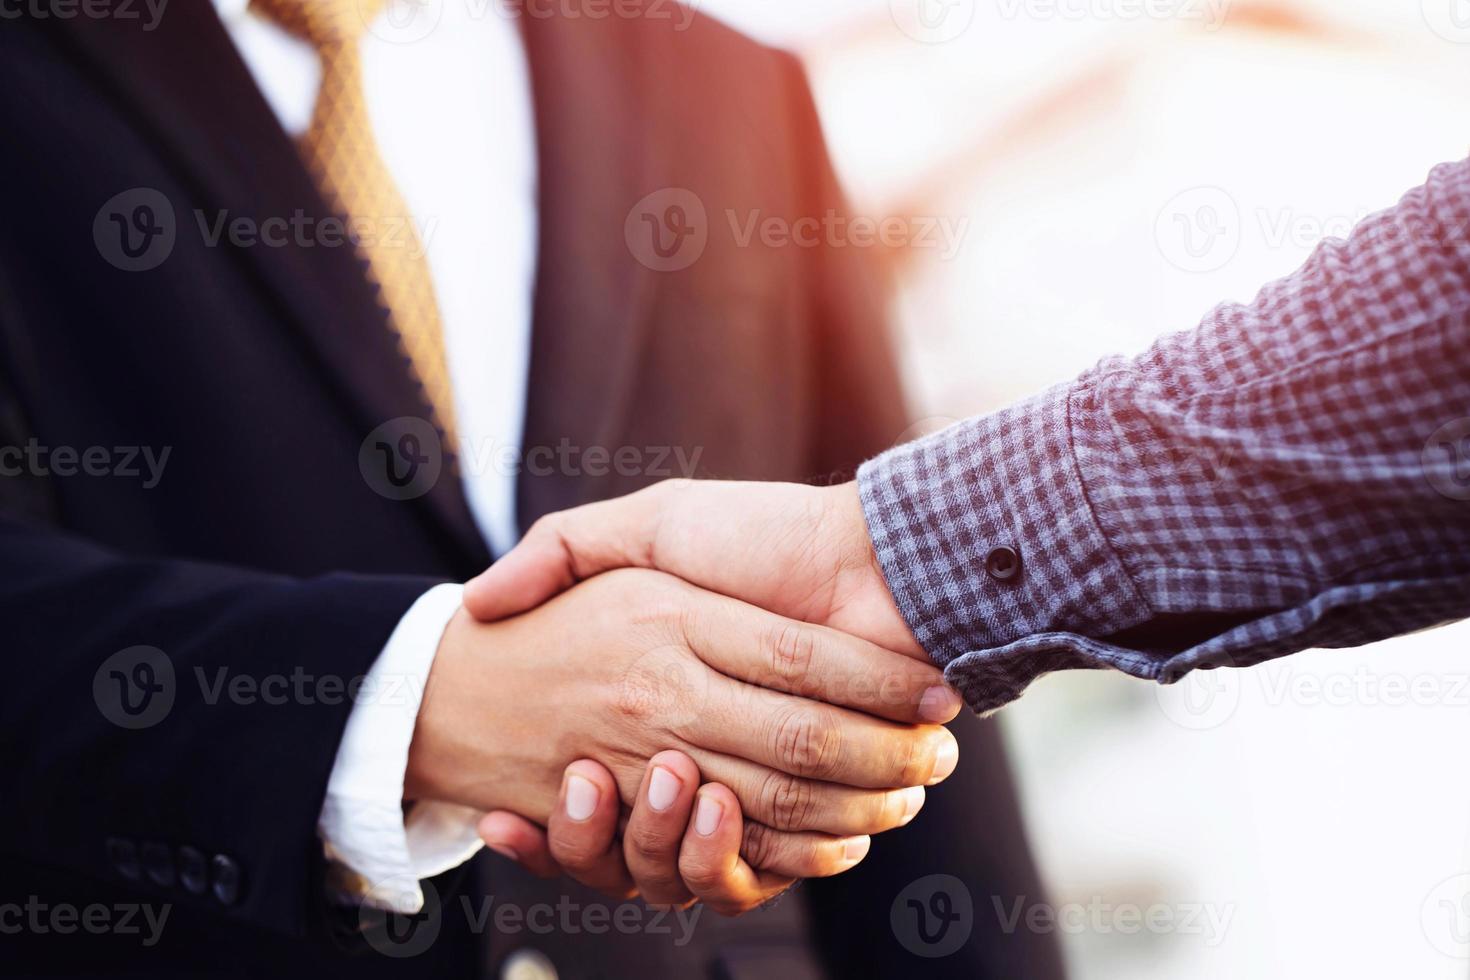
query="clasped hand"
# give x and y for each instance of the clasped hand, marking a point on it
(745, 715)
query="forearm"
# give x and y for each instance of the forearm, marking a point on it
(1269, 481)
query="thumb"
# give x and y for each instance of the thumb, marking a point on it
(562, 549)
(532, 572)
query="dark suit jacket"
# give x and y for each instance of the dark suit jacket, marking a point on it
(268, 547)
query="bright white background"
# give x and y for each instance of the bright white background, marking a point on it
(1122, 166)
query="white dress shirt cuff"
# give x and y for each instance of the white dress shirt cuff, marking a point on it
(378, 854)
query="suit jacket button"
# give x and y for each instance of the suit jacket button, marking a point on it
(527, 964)
(193, 872)
(1003, 564)
(123, 856)
(158, 861)
(224, 879)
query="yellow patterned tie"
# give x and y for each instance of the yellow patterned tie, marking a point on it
(342, 155)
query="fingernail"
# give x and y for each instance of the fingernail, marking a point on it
(939, 704)
(856, 849)
(707, 816)
(913, 800)
(663, 789)
(945, 758)
(581, 797)
(504, 851)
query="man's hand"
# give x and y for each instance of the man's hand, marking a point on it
(682, 842)
(798, 551)
(635, 662)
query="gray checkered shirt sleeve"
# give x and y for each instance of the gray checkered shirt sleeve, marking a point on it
(1293, 473)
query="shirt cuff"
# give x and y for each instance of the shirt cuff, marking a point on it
(378, 855)
(989, 544)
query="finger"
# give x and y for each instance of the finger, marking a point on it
(656, 828)
(583, 830)
(710, 861)
(561, 550)
(750, 644)
(818, 741)
(800, 855)
(513, 836)
(785, 802)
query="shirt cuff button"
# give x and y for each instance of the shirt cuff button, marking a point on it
(1003, 564)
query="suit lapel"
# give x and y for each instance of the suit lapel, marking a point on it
(186, 85)
(593, 144)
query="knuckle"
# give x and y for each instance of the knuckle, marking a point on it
(573, 854)
(791, 648)
(545, 526)
(759, 845)
(662, 605)
(653, 687)
(889, 813)
(807, 742)
(654, 874)
(701, 875)
(649, 848)
(659, 885)
(791, 802)
(915, 760)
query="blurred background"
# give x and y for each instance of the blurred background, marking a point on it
(1097, 172)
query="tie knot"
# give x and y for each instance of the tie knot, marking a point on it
(322, 23)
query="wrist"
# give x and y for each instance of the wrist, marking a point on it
(846, 526)
(439, 748)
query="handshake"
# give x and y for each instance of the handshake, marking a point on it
(701, 691)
